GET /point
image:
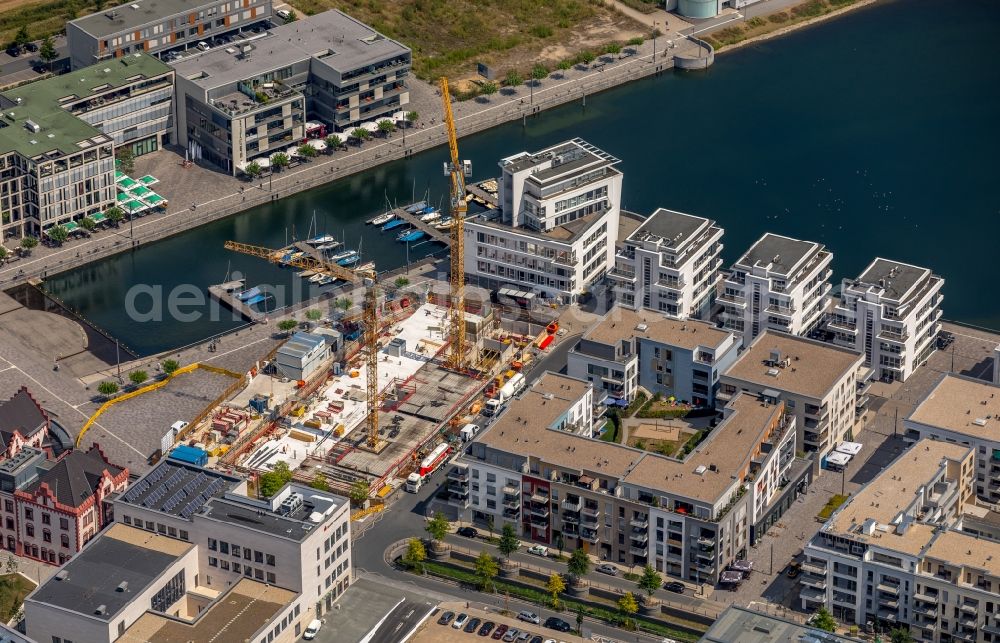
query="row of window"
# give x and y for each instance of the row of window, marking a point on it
(248, 571)
(235, 550)
(165, 530)
(284, 623)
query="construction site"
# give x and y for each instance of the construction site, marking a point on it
(360, 397)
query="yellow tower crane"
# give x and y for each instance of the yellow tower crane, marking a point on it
(369, 318)
(457, 357)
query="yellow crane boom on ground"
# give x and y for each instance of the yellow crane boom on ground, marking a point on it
(369, 317)
(457, 357)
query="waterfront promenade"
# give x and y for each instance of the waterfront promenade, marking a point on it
(210, 195)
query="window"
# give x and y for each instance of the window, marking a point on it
(127, 520)
(270, 578)
(213, 544)
(224, 564)
(213, 562)
(270, 559)
(47, 535)
(258, 573)
(29, 514)
(8, 505)
(184, 534)
(224, 547)
(247, 571)
(236, 568)
(247, 552)
(170, 593)
(64, 523)
(258, 556)
(30, 529)
(236, 550)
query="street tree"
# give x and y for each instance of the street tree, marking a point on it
(437, 527)
(560, 544)
(579, 618)
(359, 492)
(27, 243)
(360, 134)
(344, 303)
(901, 635)
(307, 151)
(320, 482)
(3, 254)
(824, 620)
(272, 481)
(578, 565)
(286, 325)
(486, 570)
(402, 282)
(58, 233)
(21, 38)
(489, 88)
(613, 48)
(489, 525)
(415, 555)
(628, 607)
(314, 314)
(650, 580)
(332, 142)
(411, 117)
(587, 57)
(47, 52)
(88, 224)
(115, 215)
(253, 169)
(513, 78)
(508, 541)
(555, 587)
(280, 160)
(107, 388)
(170, 365)
(386, 127)
(126, 159)
(138, 377)
(565, 65)
(539, 71)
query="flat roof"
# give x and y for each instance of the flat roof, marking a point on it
(236, 615)
(893, 491)
(92, 577)
(577, 152)
(961, 405)
(43, 103)
(896, 278)
(724, 454)
(331, 38)
(676, 229)
(124, 17)
(743, 625)
(294, 523)
(784, 255)
(962, 549)
(815, 367)
(622, 323)
(177, 488)
(565, 233)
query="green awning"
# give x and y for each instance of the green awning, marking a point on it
(154, 199)
(98, 217)
(140, 191)
(134, 206)
(70, 226)
(149, 179)
(118, 175)
(127, 183)
(123, 197)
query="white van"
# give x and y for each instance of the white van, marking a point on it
(284, 14)
(312, 629)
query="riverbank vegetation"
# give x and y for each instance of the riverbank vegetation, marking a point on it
(448, 37)
(763, 25)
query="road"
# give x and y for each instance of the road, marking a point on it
(18, 69)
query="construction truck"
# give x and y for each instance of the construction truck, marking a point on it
(513, 386)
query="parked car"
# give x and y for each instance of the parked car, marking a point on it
(284, 14)
(204, 46)
(794, 569)
(446, 618)
(511, 635)
(460, 621)
(468, 532)
(499, 632)
(557, 624)
(487, 628)
(523, 636)
(539, 550)
(537, 639)
(607, 568)
(472, 625)
(14, 51)
(529, 617)
(674, 586)
(32, 47)
(312, 629)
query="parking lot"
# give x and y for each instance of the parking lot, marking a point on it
(432, 632)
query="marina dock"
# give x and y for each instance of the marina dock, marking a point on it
(481, 196)
(441, 236)
(227, 295)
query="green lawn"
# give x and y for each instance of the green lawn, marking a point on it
(609, 432)
(13, 589)
(831, 505)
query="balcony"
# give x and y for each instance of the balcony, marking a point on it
(540, 497)
(570, 530)
(572, 505)
(968, 621)
(639, 537)
(512, 503)
(542, 513)
(638, 551)
(816, 582)
(925, 610)
(590, 535)
(511, 514)
(887, 615)
(887, 588)
(707, 543)
(670, 283)
(459, 474)
(460, 501)
(896, 336)
(888, 603)
(639, 523)
(783, 311)
(812, 595)
(459, 488)
(591, 511)
(814, 568)
(732, 299)
(570, 519)
(622, 275)
(969, 609)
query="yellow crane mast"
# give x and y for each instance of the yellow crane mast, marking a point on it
(457, 358)
(369, 317)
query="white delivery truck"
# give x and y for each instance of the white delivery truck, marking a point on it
(513, 386)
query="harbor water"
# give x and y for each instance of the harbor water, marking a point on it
(874, 133)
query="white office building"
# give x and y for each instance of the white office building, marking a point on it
(669, 264)
(557, 224)
(891, 314)
(780, 284)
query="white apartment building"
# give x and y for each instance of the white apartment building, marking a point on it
(822, 385)
(557, 224)
(890, 556)
(891, 314)
(689, 518)
(780, 284)
(964, 411)
(212, 544)
(669, 264)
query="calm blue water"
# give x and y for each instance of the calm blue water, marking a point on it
(875, 134)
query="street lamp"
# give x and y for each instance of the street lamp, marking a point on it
(654, 40)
